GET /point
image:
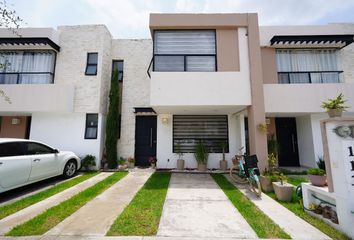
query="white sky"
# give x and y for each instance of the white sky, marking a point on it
(130, 18)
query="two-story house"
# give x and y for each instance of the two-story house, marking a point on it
(203, 77)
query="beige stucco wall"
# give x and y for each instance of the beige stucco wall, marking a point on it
(136, 86)
(269, 66)
(76, 42)
(8, 130)
(228, 58)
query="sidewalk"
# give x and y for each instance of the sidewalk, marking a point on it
(96, 217)
(196, 207)
(296, 227)
(6, 224)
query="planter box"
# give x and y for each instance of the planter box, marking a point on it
(266, 184)
(223, 165)
(316, 180)
(180, 164)
(283, 192)
(334, 113)
(202, 167)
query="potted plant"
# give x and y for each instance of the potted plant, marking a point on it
(131, 162)
(223, 162)
(180, 161)
(201, 156)
(282, 189)
(317, 176)
(335, 106)
(152, 161)
(269, 175)
(88, 162)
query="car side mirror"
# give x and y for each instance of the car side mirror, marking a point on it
(55, 151)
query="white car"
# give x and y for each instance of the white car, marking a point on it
(24, 162)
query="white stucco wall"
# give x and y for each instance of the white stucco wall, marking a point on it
(167, 159)
(305, 141)
(137, 55)
(66, 131)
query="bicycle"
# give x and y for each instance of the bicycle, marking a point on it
(245, 170)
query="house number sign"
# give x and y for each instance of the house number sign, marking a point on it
(348, 157)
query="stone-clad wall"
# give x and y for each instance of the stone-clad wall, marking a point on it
(137, 55)
(75, 43)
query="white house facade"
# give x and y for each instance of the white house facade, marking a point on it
(215, 78)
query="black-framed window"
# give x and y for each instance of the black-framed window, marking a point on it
(189, 130)
(27, 66)
(185, 50)
(91, 126)
(91, 65)
(118, 65)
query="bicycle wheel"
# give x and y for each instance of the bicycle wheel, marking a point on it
(255, 186)
(235, 175)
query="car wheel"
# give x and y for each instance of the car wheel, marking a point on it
(69, 169)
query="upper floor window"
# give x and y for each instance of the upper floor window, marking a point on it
(184, 50)
(118, 66)
(26, 67)
(91, 66)
(307, 66)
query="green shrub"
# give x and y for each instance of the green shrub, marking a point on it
(88, 161)
(321, 164)
(201, 153)
(316, 171)
(112, 124)
(335, 103)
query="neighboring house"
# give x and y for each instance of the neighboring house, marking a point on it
(203, 77)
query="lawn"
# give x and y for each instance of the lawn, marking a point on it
(51, 217)
(296, 207)
(261, 223)
(296, 180)
(27, 201)
(142, 216)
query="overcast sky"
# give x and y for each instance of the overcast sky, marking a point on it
(130, 18)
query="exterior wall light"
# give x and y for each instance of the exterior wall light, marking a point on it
(164, 119)
(15, 121)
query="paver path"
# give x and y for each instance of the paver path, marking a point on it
(6, 224)
(296, 227)
(195, 206)
(96, 217)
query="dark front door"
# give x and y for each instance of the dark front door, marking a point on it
(287, 140)
(145, 139)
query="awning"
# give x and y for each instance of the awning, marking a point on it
(29, 41)
(144, 110)
(338, 41)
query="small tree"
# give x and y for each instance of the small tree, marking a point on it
(112, 123)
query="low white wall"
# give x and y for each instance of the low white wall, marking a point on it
(66, 131)
(168, 159)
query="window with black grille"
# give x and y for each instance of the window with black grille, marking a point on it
(212, 130)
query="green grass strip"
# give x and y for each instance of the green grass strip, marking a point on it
(51, 217)
(11, 208)
(296, 207)
(296, 180)
(142, 216)
(260, 222)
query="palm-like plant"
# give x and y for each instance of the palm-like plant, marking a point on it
(201, 153)
(335, 103)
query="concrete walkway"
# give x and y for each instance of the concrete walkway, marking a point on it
(196, 207)
(6, 224)
(296, 227)
(96, 217)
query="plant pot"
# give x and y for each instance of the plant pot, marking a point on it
(266, 184)
(202, 167)
(334, 113)
(153, 165)
(317, 180)
(180, 164)
(131, 164)
(283, 192)
(223, 165)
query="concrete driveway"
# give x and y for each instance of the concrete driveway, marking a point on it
(195, 206)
